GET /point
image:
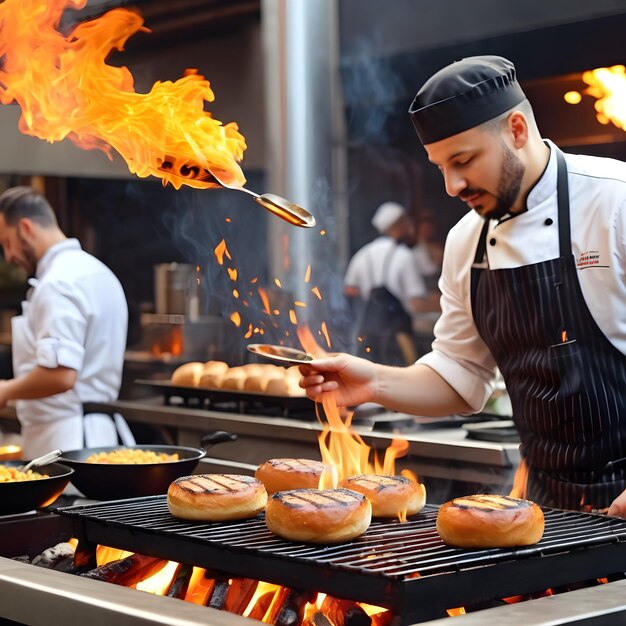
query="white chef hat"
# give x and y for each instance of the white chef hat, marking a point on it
(387, 214)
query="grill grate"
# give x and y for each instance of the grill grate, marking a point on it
(404, 567)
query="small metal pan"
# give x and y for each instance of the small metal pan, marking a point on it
(280, 354)
(112, 481)
(26, 495)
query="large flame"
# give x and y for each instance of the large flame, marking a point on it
(65, 89)
(339, 445)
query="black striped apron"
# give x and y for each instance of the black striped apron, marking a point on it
(566, 381)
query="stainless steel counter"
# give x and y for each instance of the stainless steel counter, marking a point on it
(442, 453)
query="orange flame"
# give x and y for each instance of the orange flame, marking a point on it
(265, 299)
(221, 251)
(200, 587)
(65, 89)
(324, 330)
(316, 292)
(159, 582)
(520, 481)
(307, 275)
(339, 445)
(453, 612)
(235, 318)
(308, 342)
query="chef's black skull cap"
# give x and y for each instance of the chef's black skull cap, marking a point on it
(464, 95)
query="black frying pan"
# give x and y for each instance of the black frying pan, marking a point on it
(18, 497)
(104, 481)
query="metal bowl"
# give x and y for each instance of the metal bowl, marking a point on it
(26, 495)
(114, 481)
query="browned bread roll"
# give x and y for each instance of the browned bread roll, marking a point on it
(211, 380)
(234, 378)
(286, 474)
(490, 521)
(389, 495)
(285, 386)
(216, 497)
(318, 516)
(188, 375)
(215, 367)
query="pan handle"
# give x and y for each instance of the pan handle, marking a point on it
(217, 436)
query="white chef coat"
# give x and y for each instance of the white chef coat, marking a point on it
(597, 196)
(401, 277)
(75, 316)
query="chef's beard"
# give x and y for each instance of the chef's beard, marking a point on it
(509, 185)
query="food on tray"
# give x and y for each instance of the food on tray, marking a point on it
(188, 375)
(263, 378)
(287, 474)
(234, 378)
(318, 515)
(216, 497)
(389, 495)
(131, 456)
(12, 475)
(490, 521)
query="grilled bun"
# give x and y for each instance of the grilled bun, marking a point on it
(490, 521)
(389, 495)
(216, 497)
(318, 515)
(188, 375)
(287, 474)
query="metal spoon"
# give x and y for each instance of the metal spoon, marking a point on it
(280, 353)
(286, 210)
(42, 460)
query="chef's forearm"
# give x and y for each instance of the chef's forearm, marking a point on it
(40, 382)
(418, 390)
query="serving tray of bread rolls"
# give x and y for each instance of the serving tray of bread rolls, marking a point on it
(259, 388)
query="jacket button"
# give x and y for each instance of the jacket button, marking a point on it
(492, 242)
(549, 222)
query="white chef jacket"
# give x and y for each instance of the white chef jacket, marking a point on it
(597, 196)
(75, 316)
(401, 277)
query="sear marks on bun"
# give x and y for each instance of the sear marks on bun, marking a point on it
(320, 499)
(216, 497)
(390, 496)
(215, 483)
(318, 515)
(287, 474)
(490, 521)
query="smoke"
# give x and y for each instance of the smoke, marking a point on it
(372, 92)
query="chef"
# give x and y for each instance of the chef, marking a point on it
(69, 342)
(533, 282)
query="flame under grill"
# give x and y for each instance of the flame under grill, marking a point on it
(404, 567)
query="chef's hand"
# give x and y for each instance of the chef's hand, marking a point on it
(352, 378)
(618, 506)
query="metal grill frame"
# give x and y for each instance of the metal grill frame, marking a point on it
(576, 547)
